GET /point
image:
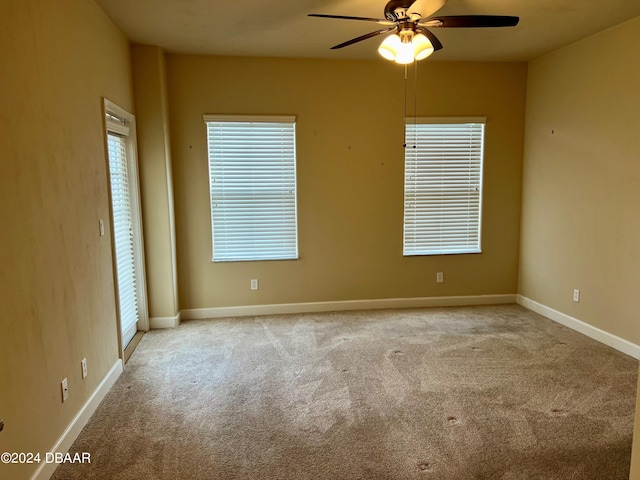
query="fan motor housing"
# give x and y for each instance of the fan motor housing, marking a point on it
(396, 10)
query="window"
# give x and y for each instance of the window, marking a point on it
(443, 185)
(252, 179)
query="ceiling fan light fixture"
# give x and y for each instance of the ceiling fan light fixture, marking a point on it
(412, 31)
(405, 53)
(390, 46)
(396, 48)
(406, 48)
(422, 47)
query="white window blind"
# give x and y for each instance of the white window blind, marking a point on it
(443, 185)
(252, 175)
(123, 231)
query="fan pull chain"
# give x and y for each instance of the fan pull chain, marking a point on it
(415, 103)
(404, 145)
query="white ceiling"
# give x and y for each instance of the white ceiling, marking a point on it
(282, 29)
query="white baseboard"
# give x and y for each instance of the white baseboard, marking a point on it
(311, 307)
(165, 322)
(590, 331)
(45, 470)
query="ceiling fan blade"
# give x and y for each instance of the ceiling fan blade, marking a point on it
(426, 8)
(381, 21)
(363, 37)
(432, 38)
(471, 21)
(393, 4)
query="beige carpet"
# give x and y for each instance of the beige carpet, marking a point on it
(457, 393)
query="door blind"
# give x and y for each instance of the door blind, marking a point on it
(123, 231)
(252, 174)
(443, 186)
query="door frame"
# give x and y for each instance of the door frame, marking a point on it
(136, 210)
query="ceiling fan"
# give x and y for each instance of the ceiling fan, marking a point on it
(411, 38)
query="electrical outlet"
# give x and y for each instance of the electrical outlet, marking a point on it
(254, 284)
(65, 390)
(576, 295)
(439, 277)
(101, 225)
(83, 363)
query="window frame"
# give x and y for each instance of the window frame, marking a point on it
(291, 252)
(414, 222)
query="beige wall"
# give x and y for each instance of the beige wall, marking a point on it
(581, 184)
(154, 160)
(581, 189)
(58, 302)
(350, 176)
